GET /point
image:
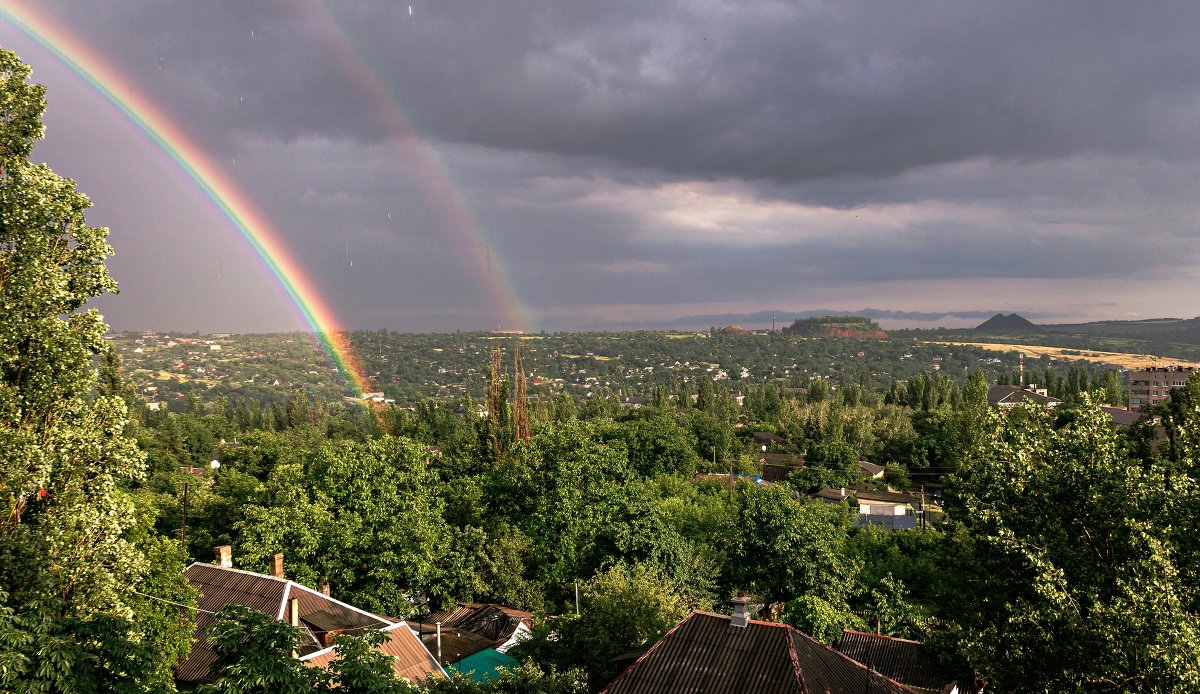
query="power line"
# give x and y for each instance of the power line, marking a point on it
(172, 602)
(372, 625)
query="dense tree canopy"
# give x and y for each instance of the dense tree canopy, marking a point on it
(71, 559)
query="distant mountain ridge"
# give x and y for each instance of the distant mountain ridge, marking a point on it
(1012, 323)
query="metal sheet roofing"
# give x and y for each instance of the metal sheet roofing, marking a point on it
(410, 659)
(483, 665)
(489, 621)
(319, 614)
(705, 653)
(903, 660)
(456, 643)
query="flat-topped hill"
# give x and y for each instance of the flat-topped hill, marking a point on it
(835, 326)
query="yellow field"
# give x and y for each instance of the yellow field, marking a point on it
(1128, 361)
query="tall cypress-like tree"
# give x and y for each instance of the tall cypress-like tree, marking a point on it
(69, 563)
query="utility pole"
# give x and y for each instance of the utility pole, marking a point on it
(183, 529)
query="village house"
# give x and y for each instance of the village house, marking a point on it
(473, 638)
(318, 616)
(709, 652)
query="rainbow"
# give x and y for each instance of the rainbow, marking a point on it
(233, 204)
(476, 254)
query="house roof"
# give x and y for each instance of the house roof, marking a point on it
(1122, 417)
(1005, 396)
(705, 653)
(411, 660)
(866, 494)
(456, 643)
(777, 473)
(492, 622)
(902, 660)
(761, 437)
(319, 614)
(870, 470)
(832, 495)
(870, 493)
(790, 459)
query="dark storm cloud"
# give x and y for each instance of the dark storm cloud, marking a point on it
(665, 159)
(785, 91)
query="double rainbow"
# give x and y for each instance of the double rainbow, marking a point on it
(465, 232)
(233, 204)
(251, 224)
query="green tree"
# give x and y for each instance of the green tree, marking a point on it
(622, 608)
(254, 655)
(889, 609)
(657, 443)
(784, 548)
(358, 515)
(1068, 573)
(559, 490)
(68, 564)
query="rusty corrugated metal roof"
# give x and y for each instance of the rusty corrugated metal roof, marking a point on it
(410, 659)
(456, 643)
(705, 653)
(826, 670)
(219, 586)
(900, 659)
(492, 622)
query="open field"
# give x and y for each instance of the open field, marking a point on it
(1128, 361)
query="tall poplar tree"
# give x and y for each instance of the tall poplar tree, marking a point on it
(69, 617)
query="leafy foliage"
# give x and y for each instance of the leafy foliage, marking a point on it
(69, 619)
(1069, 575)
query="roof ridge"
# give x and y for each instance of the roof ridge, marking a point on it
(759, 622)
(381, 618)
(795, 657)
(818, 644)
(240, 571)
(882, 636)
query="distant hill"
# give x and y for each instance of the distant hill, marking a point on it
(1012, 323)
(835, 326)
(1178, 329)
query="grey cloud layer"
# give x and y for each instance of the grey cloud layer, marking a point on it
(786, 91)
(627, 154)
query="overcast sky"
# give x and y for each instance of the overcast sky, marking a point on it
(640, 164)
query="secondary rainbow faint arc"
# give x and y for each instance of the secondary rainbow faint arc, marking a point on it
(232, 203)
(475, 251)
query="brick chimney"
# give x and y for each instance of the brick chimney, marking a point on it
(324, 586)
(277, 565)
(225, 556)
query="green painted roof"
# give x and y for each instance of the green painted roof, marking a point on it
(479, 666)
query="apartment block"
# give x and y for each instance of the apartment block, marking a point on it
(1153, 385)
